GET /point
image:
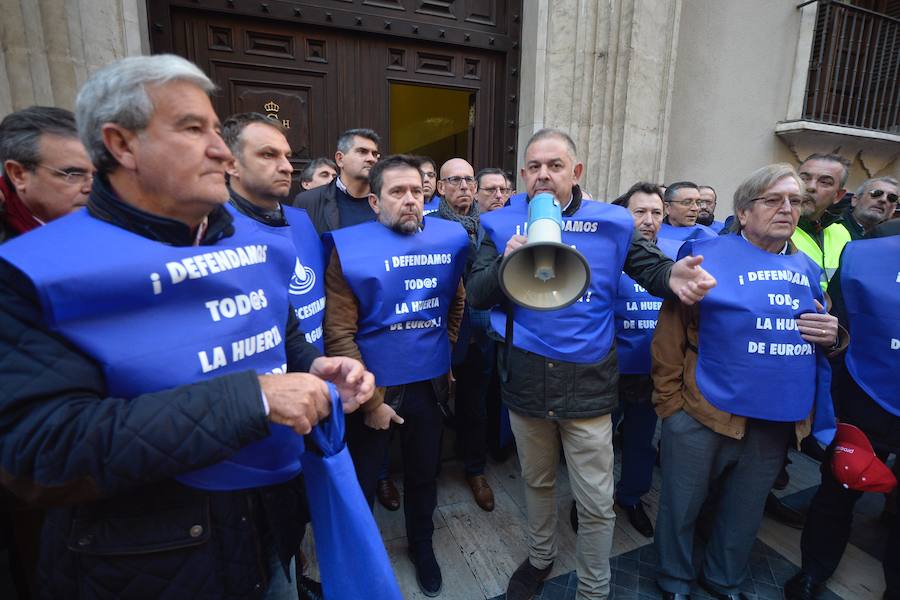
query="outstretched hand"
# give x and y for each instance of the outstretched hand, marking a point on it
(355, 384)
(689, 281)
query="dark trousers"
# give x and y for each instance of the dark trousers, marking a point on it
(693, 458)
(830, 515)
(420, 444)
(638, 427)
(473, 378)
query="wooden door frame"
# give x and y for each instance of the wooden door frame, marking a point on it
(389, 19)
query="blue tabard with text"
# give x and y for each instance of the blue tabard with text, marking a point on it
(636, 314)
(751, 360)
(432, 205)
(695, 232)
(307, 288)
(582, 332)
(155, 317)
(404, 285)
(870, 283)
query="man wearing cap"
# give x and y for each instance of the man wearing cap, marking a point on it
(866, 293)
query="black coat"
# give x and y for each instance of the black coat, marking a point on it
(119, 525)
(321, 206)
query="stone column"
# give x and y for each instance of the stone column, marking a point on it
(49, 47)
(603, 72)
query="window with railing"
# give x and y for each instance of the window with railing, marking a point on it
(854, 67)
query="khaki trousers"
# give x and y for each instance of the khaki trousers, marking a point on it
(587, 444)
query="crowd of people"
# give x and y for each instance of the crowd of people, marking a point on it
(173, 325)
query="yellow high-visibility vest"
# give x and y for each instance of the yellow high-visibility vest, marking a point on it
(829, 256)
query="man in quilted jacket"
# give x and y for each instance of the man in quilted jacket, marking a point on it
(153, 382)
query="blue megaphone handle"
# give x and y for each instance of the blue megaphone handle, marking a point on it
(329, 433)
(544, 206)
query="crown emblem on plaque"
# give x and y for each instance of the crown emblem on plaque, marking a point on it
(271, 106)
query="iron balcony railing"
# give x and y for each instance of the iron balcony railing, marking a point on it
(854, 68)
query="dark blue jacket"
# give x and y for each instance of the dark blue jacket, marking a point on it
(118, 524)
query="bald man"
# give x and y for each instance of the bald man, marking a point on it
(473, 356)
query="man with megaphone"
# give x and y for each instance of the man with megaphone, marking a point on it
(558, 362)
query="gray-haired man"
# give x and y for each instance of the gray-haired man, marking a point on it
(148, 388)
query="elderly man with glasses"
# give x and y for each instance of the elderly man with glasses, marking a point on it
(46, 171)
(722, 421)
(873, 203)
(493, 189)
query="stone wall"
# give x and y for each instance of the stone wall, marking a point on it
(49, 47)
(601, 71)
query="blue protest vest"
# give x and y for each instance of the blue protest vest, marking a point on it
(404, 285)
(582, 332)
(696, 232)
(307, 288)
(432, 205)
(636, 313)
(717, 226)
(870, 283)
(751, 360)
(154, 317)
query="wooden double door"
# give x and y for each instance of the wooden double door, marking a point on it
(420, 95)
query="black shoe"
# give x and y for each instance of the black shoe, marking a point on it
(573, 517)
(638, 519)
(719, 595)
(674, 596)
(525, 582)
(802, 587)
(428, 573)
(783, 513)
(309, 589)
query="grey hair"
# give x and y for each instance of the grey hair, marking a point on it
(868, 183)
(757, 183)
(20, 133)
(552, 132)
(117, 93)
(345, 141)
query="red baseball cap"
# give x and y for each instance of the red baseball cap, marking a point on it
(855, 465)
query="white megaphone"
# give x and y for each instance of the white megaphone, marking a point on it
(544, 274)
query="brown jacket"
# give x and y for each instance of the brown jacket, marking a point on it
(342, 317)
(674, 372)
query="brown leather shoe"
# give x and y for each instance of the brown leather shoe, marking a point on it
(387, 494)
(481, 490)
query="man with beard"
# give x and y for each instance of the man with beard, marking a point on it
(707, 213)
(873, 203)
(402, 327)
(819, 234)
(470, 366)
(344, 201)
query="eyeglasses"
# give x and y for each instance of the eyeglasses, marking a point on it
(891, 198)
(457, 180)
(688, 203)
(428, 174)
(493, 190)
(73, 176)
(778, 201)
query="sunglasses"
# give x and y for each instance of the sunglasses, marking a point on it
(892, 198)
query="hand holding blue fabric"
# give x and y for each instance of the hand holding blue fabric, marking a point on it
(354, 383)
(344, 528)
